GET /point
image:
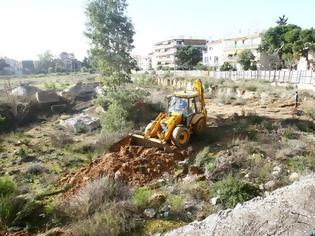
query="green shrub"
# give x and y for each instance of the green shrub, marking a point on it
(202, 157)
(310, 112)
(112, 221)
(289, 133)
(301, 163)
(265, 171)
(232, 191)
(115, 119)
(176, 203)
(7, 187)
(142, 197)
(95, 195)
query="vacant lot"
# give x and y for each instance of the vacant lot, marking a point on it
(256, 141)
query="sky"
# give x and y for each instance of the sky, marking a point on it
(30, 27)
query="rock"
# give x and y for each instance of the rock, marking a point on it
(214, 200)
(80, 90)
(117, 175)
(56, 232)
(44, 97)
(25, 90)
(150, 213)
(263, 216)
(294, 177)
(276, 172)
(58, 108)
(81, 123)
(189, 179)
(270, 185)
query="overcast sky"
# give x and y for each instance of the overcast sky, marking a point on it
(30, 27)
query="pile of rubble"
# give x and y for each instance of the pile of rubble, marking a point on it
(134, 165)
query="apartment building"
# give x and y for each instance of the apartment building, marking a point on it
(164, 55)
(228, 50)
(144, 63)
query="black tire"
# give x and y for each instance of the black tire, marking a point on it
(199, 127)
(181, 136)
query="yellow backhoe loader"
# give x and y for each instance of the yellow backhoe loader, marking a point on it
(186, 114)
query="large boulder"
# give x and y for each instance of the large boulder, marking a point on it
(81, 123)
(47, 97)
(80, 90)
(25, 90)
(287, 211)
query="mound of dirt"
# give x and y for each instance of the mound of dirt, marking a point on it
(134, 165)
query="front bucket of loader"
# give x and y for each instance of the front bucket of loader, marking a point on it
(139, 140)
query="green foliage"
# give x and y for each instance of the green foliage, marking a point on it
(188, 57)
(232, 191)
(145, 80)
(45, 61)
(245, 58)
(202, 157)
(94, 196)
(226, 67)
(142, 197)
(7, 186)
(289, 42)
(176, 203)
(115, 119)
(201, 66)
(111, 34)
(310, 112)
(111, 221)
(50, 85)
(289, 133)
(301, 163)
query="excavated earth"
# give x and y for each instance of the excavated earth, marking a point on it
(134, 165)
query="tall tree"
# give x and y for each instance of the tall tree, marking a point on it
(188, 57)
(44, 62)
(245, 58)
(279, 41)
(111, 34)
(282, 20)
(305, 44)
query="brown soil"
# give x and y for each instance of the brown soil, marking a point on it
(134, 165)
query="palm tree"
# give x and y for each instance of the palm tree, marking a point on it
(282, 20)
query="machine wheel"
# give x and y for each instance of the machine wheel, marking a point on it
(180, 136)
(149, 126)
(199, 127)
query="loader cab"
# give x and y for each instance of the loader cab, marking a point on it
(184, 103)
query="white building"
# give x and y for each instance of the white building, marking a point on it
(165, 51)
(302, 64)
(143, 63)
(228, 50)
(213, 54)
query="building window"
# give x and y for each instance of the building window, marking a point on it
(206, 59)
(216, 59)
